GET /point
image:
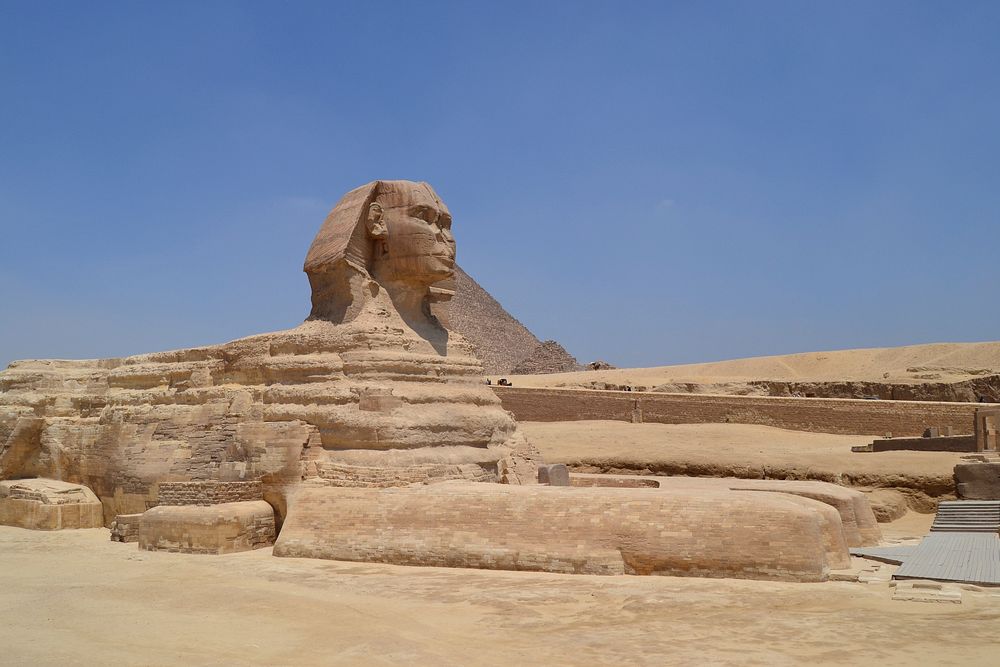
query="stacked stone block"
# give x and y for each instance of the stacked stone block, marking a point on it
(125, 528)
(208, 529)
(48, 504)
(208, 492)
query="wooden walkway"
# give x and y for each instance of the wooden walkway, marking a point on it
(966, 557)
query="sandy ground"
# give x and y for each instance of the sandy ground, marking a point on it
(937, 362)
(726, 445)
(76, 598)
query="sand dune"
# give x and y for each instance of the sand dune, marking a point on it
(912, 364)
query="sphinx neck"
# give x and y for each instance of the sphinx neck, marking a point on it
(411, 302)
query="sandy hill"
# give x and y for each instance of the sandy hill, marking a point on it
(874, 371)
(500, 341)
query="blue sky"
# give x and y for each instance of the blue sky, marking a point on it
(647, 183)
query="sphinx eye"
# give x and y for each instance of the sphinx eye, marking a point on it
(425, 213)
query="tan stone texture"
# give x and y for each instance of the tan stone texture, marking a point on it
(48, 504)
(208, 529)
(717, 533)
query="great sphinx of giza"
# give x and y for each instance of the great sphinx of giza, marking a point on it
(370, 391)
(366, 433)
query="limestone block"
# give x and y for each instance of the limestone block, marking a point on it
(48, 504)
(555, 474)
(569, 529)
(978, 481)
(207, 529)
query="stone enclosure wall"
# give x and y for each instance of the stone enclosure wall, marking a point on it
(945, 443)
(823, 415)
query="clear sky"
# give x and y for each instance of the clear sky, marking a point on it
(647, 183)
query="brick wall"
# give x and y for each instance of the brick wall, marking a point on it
(824, 415)
(208, 492)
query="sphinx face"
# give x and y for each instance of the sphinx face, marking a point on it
(415, 244)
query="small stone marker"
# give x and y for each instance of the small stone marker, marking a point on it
(927, 591)
(556, 474)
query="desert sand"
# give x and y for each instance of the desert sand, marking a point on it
(742, 450)
(75, 598)
(912, 364)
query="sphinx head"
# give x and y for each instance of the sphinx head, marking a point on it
(386, 234)
(410, 228)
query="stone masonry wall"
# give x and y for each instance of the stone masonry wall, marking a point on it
(208, 529)
(823, 415)
(208, 492)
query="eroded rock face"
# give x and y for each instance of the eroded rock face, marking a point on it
(371, 391)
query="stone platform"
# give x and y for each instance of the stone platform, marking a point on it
(207, 529)
(570, 530)
(48, 504)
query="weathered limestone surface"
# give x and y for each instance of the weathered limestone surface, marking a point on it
(573, 530)
(207, 529)
(978, 480)
(856, 515)
(372, 390)
(48, 504)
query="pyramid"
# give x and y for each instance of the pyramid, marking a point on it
(499, 340)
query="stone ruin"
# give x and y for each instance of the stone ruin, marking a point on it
(366, 433)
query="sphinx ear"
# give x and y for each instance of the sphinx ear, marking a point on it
(376, 228)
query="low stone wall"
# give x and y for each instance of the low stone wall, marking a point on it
(569, 530)
(125, 528)
(823, 415)
(944, 443)
(48, 504)
(212, 529)
(208, 492)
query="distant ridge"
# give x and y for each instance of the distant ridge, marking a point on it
(930, 372)
(501, 342)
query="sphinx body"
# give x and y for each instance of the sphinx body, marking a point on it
(371, 391)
